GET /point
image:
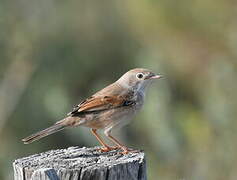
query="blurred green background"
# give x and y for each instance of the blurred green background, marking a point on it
(53, 54)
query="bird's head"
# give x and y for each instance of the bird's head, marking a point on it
(138, 79)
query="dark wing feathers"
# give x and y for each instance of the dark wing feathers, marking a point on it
(101, 103)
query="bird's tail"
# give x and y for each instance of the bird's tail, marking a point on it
(36, 136)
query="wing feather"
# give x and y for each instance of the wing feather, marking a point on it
(107, 98)
(98, 104)
(101, 103)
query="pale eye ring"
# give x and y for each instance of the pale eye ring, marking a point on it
(140, 75)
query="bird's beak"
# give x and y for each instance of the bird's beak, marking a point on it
(156, 77)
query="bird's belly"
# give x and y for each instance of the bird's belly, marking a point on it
(110, 118)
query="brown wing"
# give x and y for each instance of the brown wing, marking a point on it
(99, 103)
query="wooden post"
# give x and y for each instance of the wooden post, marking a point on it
(76, 163)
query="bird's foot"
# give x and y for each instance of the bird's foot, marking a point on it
(127, 150)
(107, 148)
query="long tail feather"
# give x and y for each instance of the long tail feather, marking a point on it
(34, 137)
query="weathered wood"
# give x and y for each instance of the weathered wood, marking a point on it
(76, 163)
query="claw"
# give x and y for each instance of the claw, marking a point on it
(107, 148)
(128, 150)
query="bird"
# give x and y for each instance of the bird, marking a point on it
(110, 108)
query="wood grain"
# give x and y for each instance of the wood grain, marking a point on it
(76, 163)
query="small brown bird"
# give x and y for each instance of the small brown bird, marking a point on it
(109, 108)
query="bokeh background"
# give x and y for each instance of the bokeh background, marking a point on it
(53, 54)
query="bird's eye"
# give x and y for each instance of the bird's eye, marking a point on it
(139, 75)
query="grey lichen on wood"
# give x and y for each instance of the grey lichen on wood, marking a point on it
(76, 163)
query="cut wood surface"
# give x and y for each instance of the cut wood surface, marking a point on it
(76, 163)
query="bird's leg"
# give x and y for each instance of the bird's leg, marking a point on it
(125, 149)
(105, 147)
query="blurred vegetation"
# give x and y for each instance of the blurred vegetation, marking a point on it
(53, 54)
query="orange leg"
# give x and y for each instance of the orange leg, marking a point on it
(125, 149)
(106, 147)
